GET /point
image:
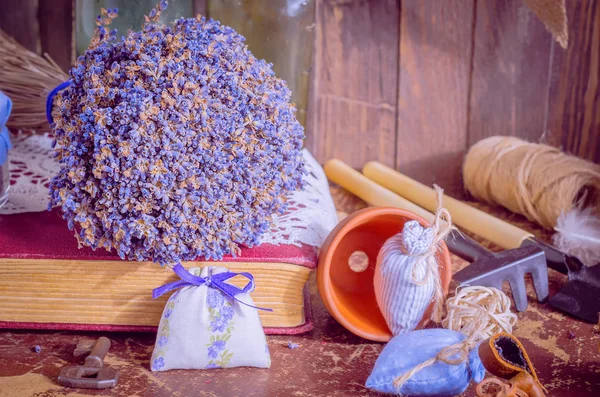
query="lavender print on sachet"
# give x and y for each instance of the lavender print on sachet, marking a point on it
(175, 142)
(208, 323)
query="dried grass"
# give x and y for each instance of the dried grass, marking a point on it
(27, 78)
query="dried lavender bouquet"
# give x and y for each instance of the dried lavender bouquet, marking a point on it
(175, 142)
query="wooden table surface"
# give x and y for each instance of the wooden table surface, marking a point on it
(329, 361)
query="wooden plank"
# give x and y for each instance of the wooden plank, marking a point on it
(200, 7)
(511, 63)
(435, 62)
(56, 30)
(356, 67)
(18, 18)
(574, 116)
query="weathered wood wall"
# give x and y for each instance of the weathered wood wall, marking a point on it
(413, 83)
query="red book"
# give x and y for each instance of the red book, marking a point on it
(47, 282)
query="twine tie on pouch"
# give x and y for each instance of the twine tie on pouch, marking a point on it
(442, 225)
(478, 313)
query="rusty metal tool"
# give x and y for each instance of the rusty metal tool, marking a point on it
(487, 268)
(491, 269)
(580, 296)
(93, 374)
(84, 347)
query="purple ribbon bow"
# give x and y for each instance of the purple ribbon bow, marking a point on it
(217, 281)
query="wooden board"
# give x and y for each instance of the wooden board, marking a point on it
(411, 83)
(356, 67)
(511, 58)
(19, 20)
(435, 62)
(574, 116)
(200, 7)
(56, 30)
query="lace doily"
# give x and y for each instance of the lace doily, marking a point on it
(310, 217)
(32, 166)
(311, 213)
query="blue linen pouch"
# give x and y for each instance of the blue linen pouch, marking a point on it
(406, 351)
(5, 108)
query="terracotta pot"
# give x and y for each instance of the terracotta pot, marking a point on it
(350, 295)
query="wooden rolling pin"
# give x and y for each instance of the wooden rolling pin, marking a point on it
(463, 215)
(364, 188)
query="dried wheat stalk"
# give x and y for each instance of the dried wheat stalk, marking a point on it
(27, 78)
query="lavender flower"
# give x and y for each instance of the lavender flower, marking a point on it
(215, 298)
(168, 311)
(227, 312)
(218, 324)
(158, 363)
(175, 142)
(216, 347)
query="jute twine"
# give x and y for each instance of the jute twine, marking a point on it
(441, 226)
(535, 180)
(553, 15)
(478, 313)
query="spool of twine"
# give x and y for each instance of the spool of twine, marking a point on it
(535, 180)
(478, 313)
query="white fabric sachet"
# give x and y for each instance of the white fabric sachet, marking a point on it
(201, 327)
(402, 287)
